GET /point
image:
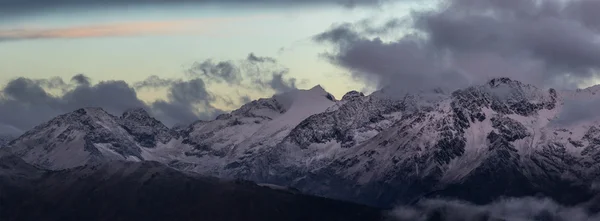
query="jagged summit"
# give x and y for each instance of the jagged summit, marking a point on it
(507, 85)
(503, 80)
(266, 108)
(318, 88)
(90, 111)
(89, 135)
(367, 148)
(352, 94)
(259, 124)
(80, 118)
(146, 130)
(135, 113)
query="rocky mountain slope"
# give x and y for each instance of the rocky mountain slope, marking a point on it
(496, 139)
(91, 135)
(152, 191)
(5, 139)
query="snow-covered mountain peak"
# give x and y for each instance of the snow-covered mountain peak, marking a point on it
(505, 96)
(89, 135)
(95, 112)
(267, 108)
(88, 115)
(146, 130)
(495, 131)
(315, 95)
(351, 95)
(495, 82)
(300, 105)
(257, 125)
(318, 88)
(592, 89)
(136, 114)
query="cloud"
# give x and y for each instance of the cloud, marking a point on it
(81, 79)
(526, 209)
(576, 110)
(223, 71)
(119, 29)
(245, 99)
(9, 131)
(253, 73)
(467, 41)
(114, 96)
(253, 58)
(187, 101)
(22, 6)
(25, 103)
(154, 82)
(281, 85)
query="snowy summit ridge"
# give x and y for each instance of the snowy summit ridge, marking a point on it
(372, 149)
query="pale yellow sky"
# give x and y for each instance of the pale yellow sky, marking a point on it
(132, 46)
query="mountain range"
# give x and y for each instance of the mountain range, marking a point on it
(152, 191)
(479, 143)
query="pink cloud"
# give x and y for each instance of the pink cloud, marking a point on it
(198, 26)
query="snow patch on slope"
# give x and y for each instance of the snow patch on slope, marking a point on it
(299, 105)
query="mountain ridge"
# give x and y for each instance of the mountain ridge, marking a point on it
(369, 149)
(152, 191)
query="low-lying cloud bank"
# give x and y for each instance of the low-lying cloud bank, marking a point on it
(512, 209)
(26, 102)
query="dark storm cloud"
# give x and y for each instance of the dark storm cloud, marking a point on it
(188, 98)
(551, 43)
(267, 73)
(281, 85)
(154, 82)
(193, 91)
(53, 83)
(224, 71)
(187, 101)
(114, 96)
(341, 34)
(577, 111)
(245, 99)
(25, 102)
(254, 72)
(253, 58)
(81, 79)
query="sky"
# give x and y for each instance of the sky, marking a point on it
(132, 42)
(186, 60)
